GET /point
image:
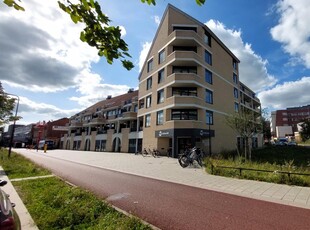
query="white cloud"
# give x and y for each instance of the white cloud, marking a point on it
(252, 68)
(29, 109)
(288, 94)
(157, 20)
(123, 31)
(293, 29)
(145, 49)
(92, 89)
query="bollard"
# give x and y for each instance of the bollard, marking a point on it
(45, 148)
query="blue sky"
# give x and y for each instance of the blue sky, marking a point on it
(56, 75)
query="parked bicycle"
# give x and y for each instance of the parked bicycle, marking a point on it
(162, 152)
(189, 156)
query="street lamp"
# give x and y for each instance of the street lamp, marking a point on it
(14, 122)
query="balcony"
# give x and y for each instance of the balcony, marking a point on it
(185, 58)
(76, 124)
(97, 121)
(184, 79)
(185, 102)
(130, 115)
(184, 38)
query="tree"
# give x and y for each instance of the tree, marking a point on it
(305, 132)
(97, 32)
(7, 105)
(246, 126)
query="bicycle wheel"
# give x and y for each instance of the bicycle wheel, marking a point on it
(183, 161)
(144, 153)
(199, 161)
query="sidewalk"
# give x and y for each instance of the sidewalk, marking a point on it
(168, 169)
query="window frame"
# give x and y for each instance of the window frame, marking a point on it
(209, 119)
(209, 92)
(161, 76)
(184, 114)
(208, 57)
(148, 102)
(160, 96)
(210, 76)
(161, 56)
(160, 119)
(150, 65)
(147, 120)
(149, 83)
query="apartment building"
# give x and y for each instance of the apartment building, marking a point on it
(188, 85)
(285, 122)
(109, 125)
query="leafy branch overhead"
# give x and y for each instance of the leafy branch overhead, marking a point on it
(97, 32)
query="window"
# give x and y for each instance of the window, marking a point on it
(184, 69)
(160, 117)
(208, 58)
(209, 96)
(148, 120)
(236, 107)
(207, 39)
(235, 93)
(209, 117)
(161, 56)
(184, 91)
(208, 76)
(161, 75)
(185, 48)
(184, 114)
(235, 65)
(141, 103)
(148, 101)
(150, 65)
(235, 78)
(160, 96)
(149, 83)
(185, 28)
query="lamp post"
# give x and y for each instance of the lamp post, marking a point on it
(14, 122)
(209, 123)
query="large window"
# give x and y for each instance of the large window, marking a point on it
(235, 93)
(185, 48)
(141, 103)
(149, 83)
(185, 28)
(160, 96)
(184, 91)
(161, 56)
(235, 64)
(209, 117)
(207, 39)
(236, 107)
(208, 76)
(148, 101)
(235, 78)
(184, 114)
(209, 96)
(150, 65)
(148, 120)
(161, 75)
(208, 58)
(160, 117)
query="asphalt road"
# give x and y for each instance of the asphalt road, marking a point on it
(174, 206)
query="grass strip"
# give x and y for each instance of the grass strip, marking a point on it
(17, 166)
(54, 204)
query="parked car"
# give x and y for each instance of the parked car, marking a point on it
(50, 144)
(292, 143)
(9, 219)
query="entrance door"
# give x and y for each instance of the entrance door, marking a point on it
(183, 143)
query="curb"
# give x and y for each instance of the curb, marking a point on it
(24, 216)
